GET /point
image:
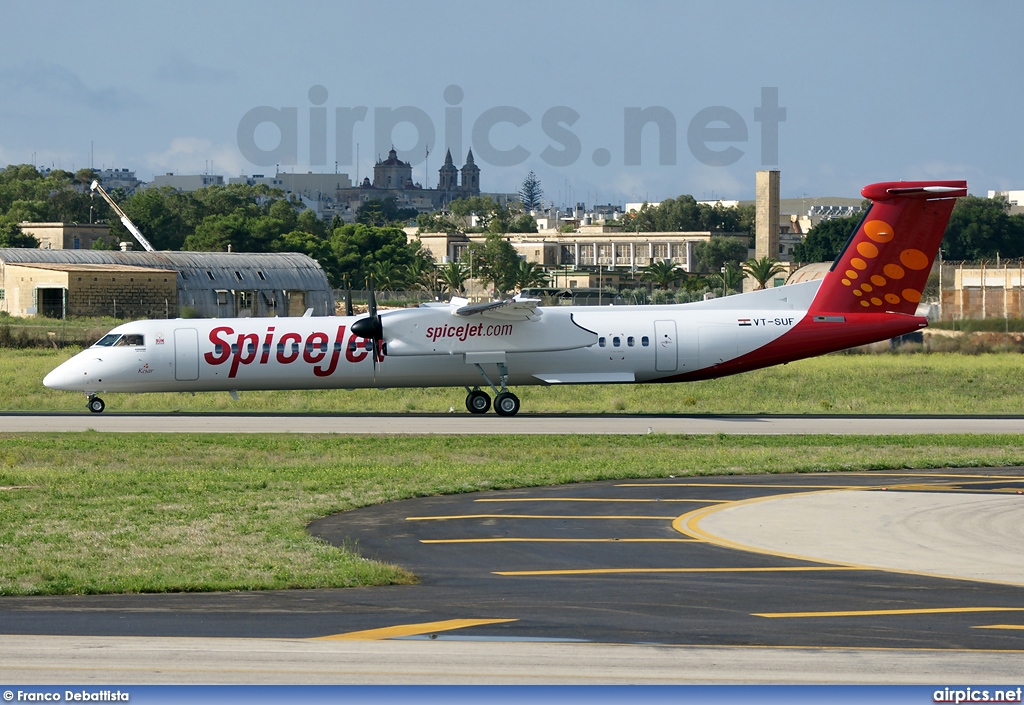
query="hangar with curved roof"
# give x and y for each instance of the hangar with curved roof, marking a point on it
(133, 284)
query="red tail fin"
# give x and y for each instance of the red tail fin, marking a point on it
(886, 262)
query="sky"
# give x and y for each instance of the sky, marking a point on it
(606, 101)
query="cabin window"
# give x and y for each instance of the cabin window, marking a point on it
(602, 342)
(616, 342)
(631, 341)
(108, 340)
(645, 341)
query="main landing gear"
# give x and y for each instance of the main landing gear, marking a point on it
(95, 404)
(505, 402)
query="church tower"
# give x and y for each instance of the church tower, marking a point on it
(448, 180)
(470, 177)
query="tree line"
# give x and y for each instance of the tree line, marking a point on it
(260, 219)
(978, 229)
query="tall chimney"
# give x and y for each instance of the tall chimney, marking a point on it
(766, 216)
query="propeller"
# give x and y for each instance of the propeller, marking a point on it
(371, 327)
(348, 299)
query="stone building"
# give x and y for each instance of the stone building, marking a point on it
(69, 236)
(161, 284)
(57, 290)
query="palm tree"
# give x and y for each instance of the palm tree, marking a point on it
(731, 278)
(761, 270)
(386, 275)
(529, 274)
(453, 276)
(663, 273)
(422, 274)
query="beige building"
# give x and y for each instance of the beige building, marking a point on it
(161, 284)
(62, 290)
(68, 236)
(982, 291)
(591, 246)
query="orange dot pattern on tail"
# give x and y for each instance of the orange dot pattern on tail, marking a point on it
(880, 232)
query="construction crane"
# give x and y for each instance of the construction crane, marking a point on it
(124, 218)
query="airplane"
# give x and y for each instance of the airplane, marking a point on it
(870, 293)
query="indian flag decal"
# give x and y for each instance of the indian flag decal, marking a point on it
(744, 321)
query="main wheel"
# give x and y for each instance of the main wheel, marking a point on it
(96, 405)
(477, 402)
(506, 404)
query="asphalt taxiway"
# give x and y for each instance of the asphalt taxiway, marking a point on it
(855, 577)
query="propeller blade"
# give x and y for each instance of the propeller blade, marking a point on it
(371, 298)
(348, 299)
(371, 327)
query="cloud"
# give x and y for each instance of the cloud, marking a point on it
(36, 79)
(178, 69)
(195, 155)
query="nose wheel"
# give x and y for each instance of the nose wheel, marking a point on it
(95, 405)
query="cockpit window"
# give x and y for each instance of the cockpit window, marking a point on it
(108, 340)
(131, 339)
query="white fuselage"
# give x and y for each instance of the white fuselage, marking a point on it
(437, 348)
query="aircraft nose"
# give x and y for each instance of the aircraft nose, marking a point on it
(69, 376)
(59, 378)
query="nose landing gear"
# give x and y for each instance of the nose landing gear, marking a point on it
(95, 404)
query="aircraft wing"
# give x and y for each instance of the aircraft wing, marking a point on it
(512, 310)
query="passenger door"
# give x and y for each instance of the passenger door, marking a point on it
(186, 354)
(665, 346)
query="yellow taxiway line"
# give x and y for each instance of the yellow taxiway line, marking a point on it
(737, 485)
(633, 571)
(876, 613)
(1000, 626)
(536, 516)
(595, 499)
(410, 629)
(550, 540)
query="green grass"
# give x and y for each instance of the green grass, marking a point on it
(937, 383)
(111, 513)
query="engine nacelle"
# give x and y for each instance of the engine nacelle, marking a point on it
(440, 331)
